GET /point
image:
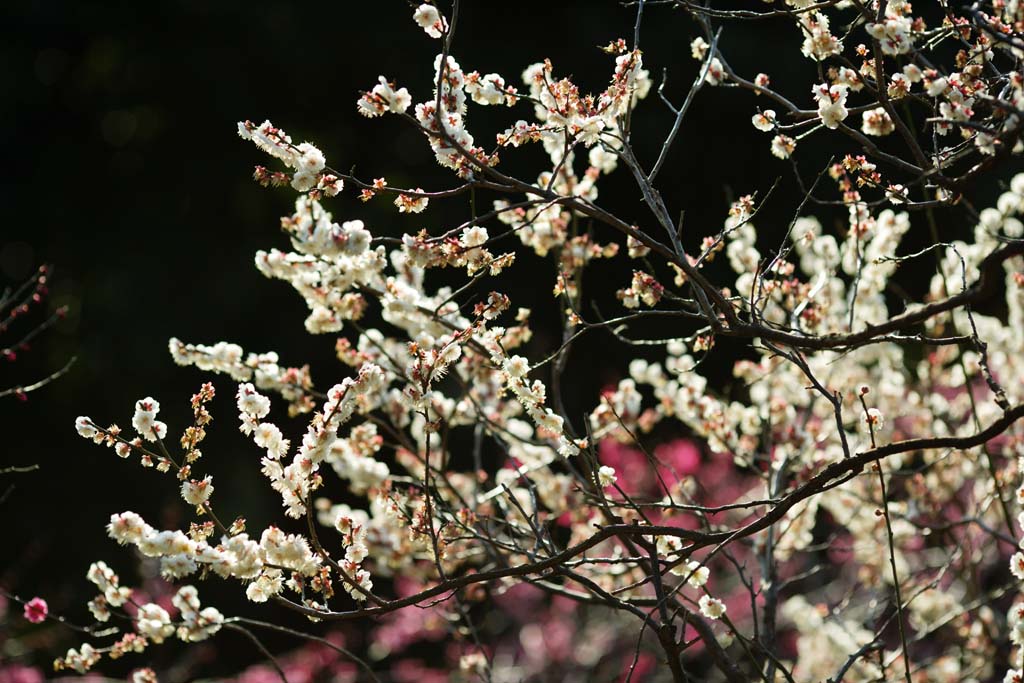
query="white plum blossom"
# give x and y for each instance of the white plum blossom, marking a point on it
(765, 121)
(251, 402)
(819, 43)
(831, 104)
(305, 159)
(408, 203)
(82, 659)
(696, 574)
(850, 78)
(145, 675)
(154, 622)
(954, 111)
(128, 527)
(268, 584)
(783, 146)
(474, 237)
(710, 607)
(899, 86)
(893, 34)
(383, 98)
(606, 476)
(197, 492)
(935, 86)
(985, 143)
(268, 436)
(489, 89)
(1017, 565)
(85, 427)
(144, 421)
(197, 622)
(430, 20)
(699, 48)
(877, 122)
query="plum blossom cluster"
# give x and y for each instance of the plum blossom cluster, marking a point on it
(852, 480)
(305, 160)
(150, 623)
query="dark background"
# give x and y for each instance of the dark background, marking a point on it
(123, 170)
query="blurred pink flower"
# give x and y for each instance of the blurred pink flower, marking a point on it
(260, 673)
(680, 457)
(409, 671)
(16, 673)
(36, 610)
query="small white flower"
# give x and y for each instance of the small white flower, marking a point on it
(312, 160)
(606, 475)
(144, 421)
(712, 608)
(831, 104)
(896, 194)
(268, 436)
(487, 90)
(699, 48)
(985, 143)
(144, 676)
(1017, 565)
(303, 181)
(893, 34)
(765, 121)
(913, 73)
(936, 86)
(251, 402)
(86, 428)
(697, 573)
(517, 366)
(411, 204)
(473, 663)
(197, 492)
(127, 527)
(99, 609)
(877, 122)
(550, 421)
(384, 98)
(176, 566)
(783, 146)
(474, 236)
(430, 20)
(716, 72)
(874, 419)
(154, 622)
(266, 586)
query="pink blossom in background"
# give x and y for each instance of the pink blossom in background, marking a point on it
(645, 666)
(36, 610)
(16, 673)
(680, 457)
(520, 601)
(631, 465)
(409, 671)
(261, 673)
(402, 628)
(305, 664)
